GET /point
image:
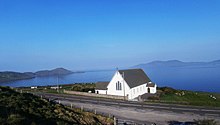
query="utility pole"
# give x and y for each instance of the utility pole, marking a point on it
(58, 82)
(123, 75)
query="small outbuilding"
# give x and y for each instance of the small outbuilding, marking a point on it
(101, 87)
(151, 87)
(33, 87)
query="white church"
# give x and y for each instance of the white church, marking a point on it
(131, 83)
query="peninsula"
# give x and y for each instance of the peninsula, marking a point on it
(8, 76)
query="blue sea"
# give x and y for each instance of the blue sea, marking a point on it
(186, 78)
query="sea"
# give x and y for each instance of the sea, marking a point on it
(205, 79)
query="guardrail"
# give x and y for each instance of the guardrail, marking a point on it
(95, 95)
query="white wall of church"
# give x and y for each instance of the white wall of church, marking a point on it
(138, 90)
(125, 89)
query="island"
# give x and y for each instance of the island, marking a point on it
(8, 76)
(54, 72)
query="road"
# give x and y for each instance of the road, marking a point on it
(137, 111)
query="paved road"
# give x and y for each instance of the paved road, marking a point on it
(139, 107)
(155, 106)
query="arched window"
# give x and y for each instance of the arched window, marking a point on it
(118, 86)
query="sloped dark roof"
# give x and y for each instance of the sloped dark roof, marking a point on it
(135, 77)
(101, 85)
(150, 84)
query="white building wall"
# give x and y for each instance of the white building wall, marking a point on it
(112, 86)
(101, 91)
(153, 89)
(138, 90)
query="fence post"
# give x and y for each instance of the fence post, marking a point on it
(115, 121)
(71, 106)
(81, 108)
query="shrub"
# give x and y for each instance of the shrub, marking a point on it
(153, 98)
(168, 90)
(206, 122)
(15, 119)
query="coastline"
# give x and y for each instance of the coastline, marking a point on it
(165, 95)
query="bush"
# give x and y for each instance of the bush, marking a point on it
(83, 87)
(15, 119)
(27, 109)
(168, 90)
(153, 98)
(206, 122)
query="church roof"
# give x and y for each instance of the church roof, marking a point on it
(134, 77)
(101, 85)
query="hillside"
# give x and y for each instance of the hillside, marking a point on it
(13, 76)
(177, 63)
(17, 108)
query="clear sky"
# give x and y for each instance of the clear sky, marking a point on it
(100, 34)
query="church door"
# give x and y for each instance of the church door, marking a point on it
(148, 90)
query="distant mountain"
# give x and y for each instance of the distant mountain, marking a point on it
(57, 71)
(177, 63)
(216, 62)
(9, 76)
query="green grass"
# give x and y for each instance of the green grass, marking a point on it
(169, 95)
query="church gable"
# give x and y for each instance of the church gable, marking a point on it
(117, 85)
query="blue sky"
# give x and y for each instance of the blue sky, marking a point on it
(99, 34)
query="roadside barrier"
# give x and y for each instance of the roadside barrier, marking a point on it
(95, 95)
